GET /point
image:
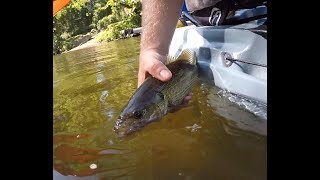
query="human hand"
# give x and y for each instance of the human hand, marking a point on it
(152, 63)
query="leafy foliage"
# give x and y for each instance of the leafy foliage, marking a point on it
(81, 16)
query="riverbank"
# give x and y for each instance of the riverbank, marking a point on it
(92, 42)
(96, 39)
(125, 33)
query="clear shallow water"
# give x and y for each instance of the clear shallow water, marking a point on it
(212, 138)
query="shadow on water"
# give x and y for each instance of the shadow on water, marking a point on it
(67, 152)
(209, 139)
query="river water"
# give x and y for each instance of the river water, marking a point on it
(212, 138)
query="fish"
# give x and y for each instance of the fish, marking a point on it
(154, 99)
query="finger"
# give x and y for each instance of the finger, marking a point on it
(185, 102)
(187, 98)
(160, 71)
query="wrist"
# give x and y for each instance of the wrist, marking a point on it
(146, 54)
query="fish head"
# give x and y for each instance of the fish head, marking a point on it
(142, 109)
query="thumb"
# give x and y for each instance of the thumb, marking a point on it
(160, 71)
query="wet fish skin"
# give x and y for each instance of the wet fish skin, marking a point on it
(154, 98)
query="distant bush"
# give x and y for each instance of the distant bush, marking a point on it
(81, 16)
(99, 14)
(113, 30)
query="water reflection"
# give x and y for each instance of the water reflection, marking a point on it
(71, 159)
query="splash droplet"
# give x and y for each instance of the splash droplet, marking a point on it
(93, 166)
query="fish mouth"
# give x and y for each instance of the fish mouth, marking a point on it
(126, 126)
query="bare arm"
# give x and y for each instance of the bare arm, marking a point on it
(159, 19)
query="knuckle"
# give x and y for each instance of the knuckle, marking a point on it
(155, 66)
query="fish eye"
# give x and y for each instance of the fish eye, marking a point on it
(137, 114)
(160, 95)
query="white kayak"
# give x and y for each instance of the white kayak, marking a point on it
(234, 57)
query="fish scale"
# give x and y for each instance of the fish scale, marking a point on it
(178, 88)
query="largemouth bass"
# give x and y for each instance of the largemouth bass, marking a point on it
(154, 98)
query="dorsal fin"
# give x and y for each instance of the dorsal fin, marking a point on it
(188, 55)
(170, 59)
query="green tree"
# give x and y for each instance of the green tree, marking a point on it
(80, 16)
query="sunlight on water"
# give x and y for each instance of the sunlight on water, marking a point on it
(212, 138)
(255, 107)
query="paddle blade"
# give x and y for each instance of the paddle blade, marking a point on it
(59, 4)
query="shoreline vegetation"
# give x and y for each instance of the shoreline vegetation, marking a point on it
(84, 23)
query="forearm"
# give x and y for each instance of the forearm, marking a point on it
(159, 20)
